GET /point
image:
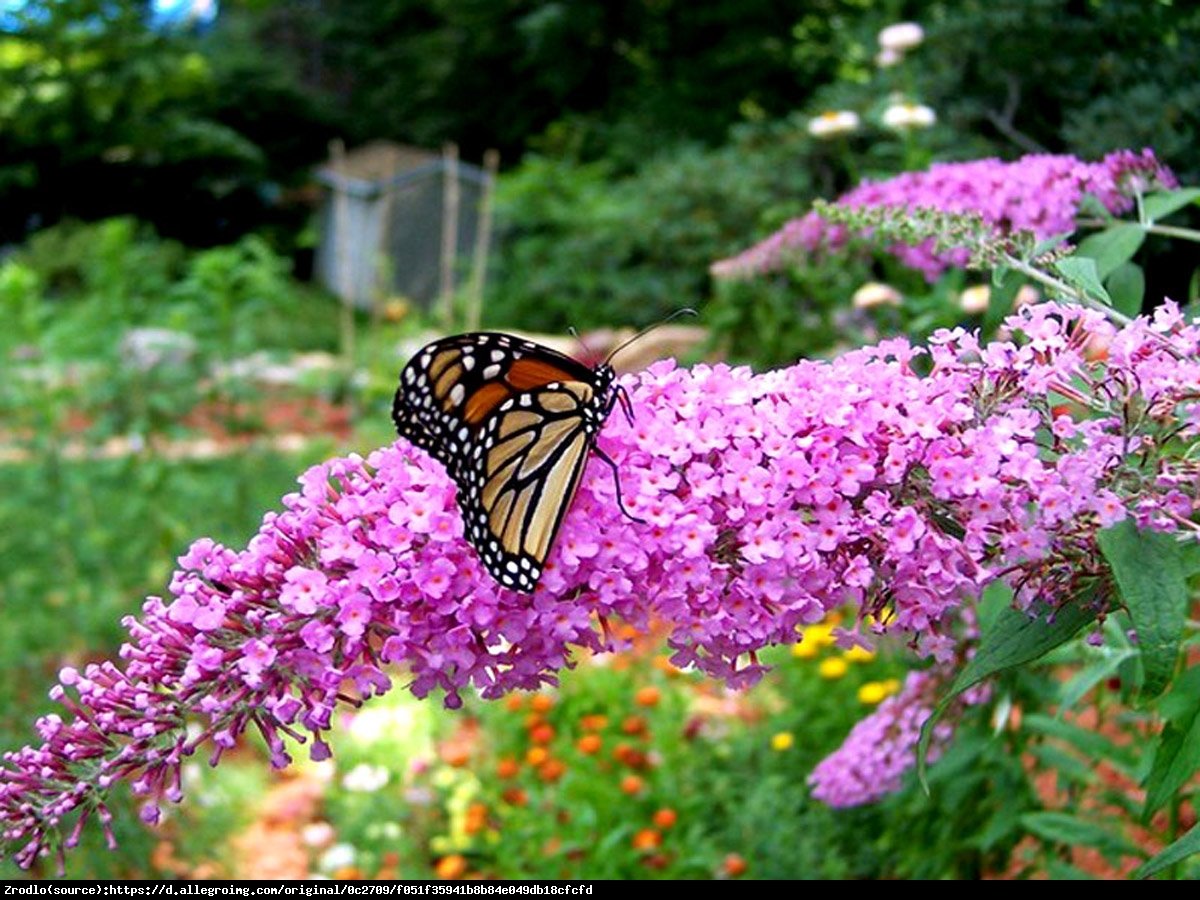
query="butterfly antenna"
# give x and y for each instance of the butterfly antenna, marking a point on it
(617, 480)
(649, 328)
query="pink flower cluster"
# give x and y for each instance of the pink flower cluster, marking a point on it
(899, 479)
(1041, 193)
(880, 750)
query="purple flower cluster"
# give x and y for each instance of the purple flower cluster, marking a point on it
(880, 750)
(896, 478)
(1041, 193)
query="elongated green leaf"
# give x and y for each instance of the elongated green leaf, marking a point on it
(1180, 850)
(1064, 871)
(1178, 753)
(1112, 247)
(1091, 744)
(1012, 638)
(1015, 637)
(1046, 244)
(1081, 273)
(1160, 205)
(1087, 678)
(1127, 287)
(1150, 574)
(1063, 828)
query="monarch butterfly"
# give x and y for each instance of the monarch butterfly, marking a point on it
(513, 422)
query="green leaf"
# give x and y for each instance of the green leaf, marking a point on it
(1045, 245)
(1112, 247)
(1064, 871)
(1091, 744)
(1091, 205)
(1063, 828)
(1150, 574)
(1180, 850)
(1081, 273)
(1011, 639)
(1127, 285)
(1162, 204)
(1087, 678)
(1178, 753)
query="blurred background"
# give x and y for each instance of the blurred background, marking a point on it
(224, 225)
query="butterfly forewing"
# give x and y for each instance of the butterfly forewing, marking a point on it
(513, 423)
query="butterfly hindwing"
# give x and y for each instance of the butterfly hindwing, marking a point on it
(513, 422)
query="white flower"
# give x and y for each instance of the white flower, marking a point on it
(339, 856)
(901, 36)
(1026, 296)
(317, 834)
(903, 116)
(365, 778)
(832, 123)
(886, 58)
(874, 293)
(974, 300)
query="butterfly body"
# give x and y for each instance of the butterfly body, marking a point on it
(514, 423)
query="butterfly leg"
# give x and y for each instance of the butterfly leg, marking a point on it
(626, 404)
(617, 480)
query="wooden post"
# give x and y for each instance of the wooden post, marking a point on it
(450, 201)
(344, 272)
(483, 240)
(382, 266)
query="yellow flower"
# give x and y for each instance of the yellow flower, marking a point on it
(874, 692)
(857, 654)
(782, 741)
(833, 668)
(806, 649)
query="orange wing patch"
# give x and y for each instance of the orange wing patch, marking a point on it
(481, 403)
(525, 374)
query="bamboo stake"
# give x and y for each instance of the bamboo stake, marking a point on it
(344, 274)
(483, 240)
(450, 202)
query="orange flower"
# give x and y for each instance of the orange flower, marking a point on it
(451, 867)
(665, 818)
(514, 702)
(476, 818)
(635, 759)
(663, 664)
(535, 756)
(734, 865)
(543, 734)
(456, 755)
(594, 722)
(647, 839)
(632, 784)
(634, 725)
(552, 770)
(647, 696)
(542, 703)
(508, 767)
(589, 744)
(533, 720)
(347, 873)
(515, 796)
(656, 861)
(552, 846)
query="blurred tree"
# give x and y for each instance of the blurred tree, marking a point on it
(100, 115)
(592, 78)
